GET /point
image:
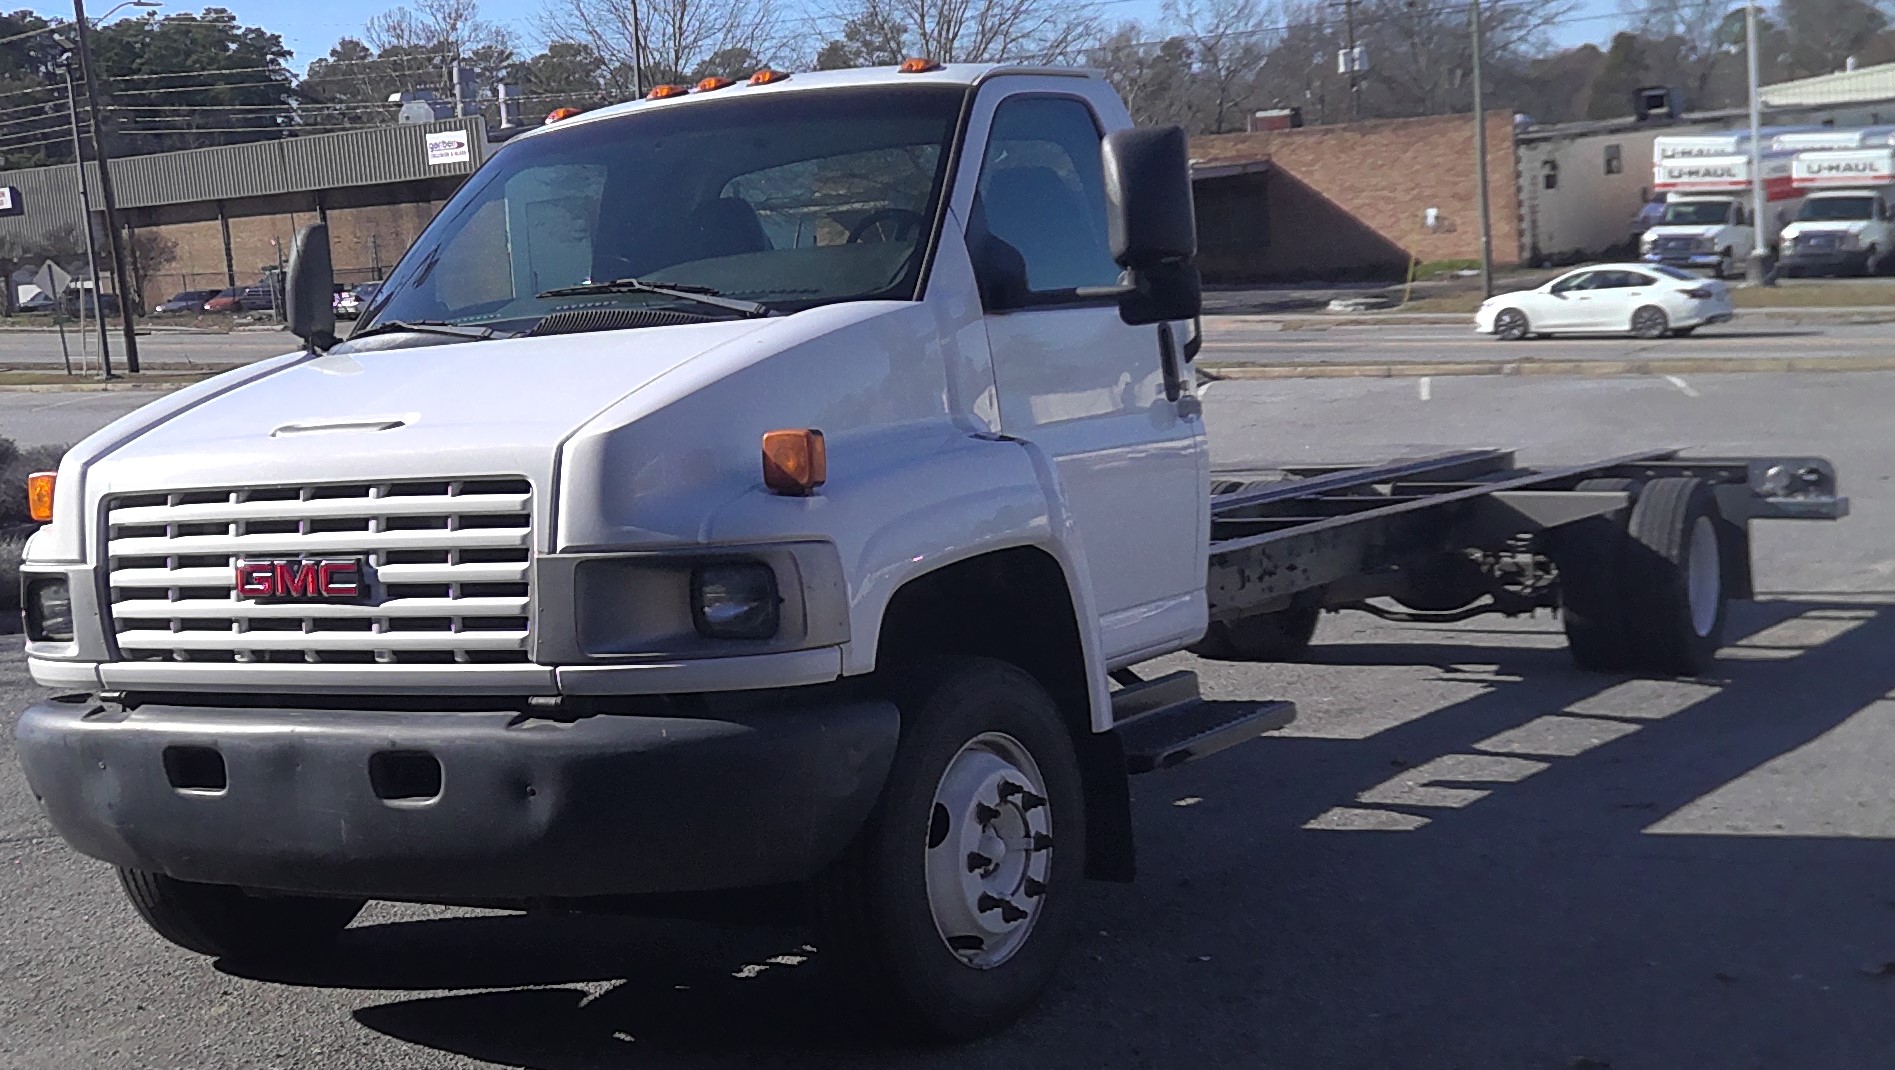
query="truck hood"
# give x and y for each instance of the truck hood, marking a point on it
(1826, 226)
(497, 407)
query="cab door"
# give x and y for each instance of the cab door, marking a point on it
(1074, 380)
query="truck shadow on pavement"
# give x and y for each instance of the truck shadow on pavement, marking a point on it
(1560, 870)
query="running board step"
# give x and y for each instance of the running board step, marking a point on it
(1184, 727)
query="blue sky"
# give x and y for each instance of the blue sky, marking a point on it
(310, 27)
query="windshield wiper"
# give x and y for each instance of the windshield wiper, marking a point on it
(452, 330)
(703, 295)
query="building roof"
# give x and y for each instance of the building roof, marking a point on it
(1861, 85)
(49, 196)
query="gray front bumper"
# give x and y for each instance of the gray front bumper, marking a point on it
(707, 792)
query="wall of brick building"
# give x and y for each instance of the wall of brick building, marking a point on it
(370, 227)
(1349, 200)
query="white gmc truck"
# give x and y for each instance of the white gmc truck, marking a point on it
(754, 495)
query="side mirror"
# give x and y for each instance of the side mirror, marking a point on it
(1151, 223)
(309, 292)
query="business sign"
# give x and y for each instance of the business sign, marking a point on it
(1859, 167)
(1690, 148)
(10, 202)
(449, 147)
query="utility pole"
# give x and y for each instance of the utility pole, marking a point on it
(85, 222)
(1480, 161)
(110, 204)
(1755, 270)
(1355, 73)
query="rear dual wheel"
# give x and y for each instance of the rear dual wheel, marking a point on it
(1645, 591)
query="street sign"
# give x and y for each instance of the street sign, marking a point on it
(52, 280)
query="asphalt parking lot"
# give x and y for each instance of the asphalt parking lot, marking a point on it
(1465, 854)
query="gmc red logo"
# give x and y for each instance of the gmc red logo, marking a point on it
(334, 579)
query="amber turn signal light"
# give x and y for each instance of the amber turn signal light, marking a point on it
(39, 495)
(795, 462)
(666, 91)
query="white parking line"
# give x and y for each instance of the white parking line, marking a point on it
(1683, 387)
(1425, 386)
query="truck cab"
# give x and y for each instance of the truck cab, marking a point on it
(748, 487)
(1846, 224)
(1707, 223)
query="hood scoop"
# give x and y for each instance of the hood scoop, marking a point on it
(329, 427)
(586, 320)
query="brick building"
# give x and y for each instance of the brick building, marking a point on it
(219, 217)
(1351, 201)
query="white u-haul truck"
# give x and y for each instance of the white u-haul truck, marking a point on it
(760, 494)
(1707, 222)
(1846, 224)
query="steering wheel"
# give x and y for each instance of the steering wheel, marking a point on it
(906, 221)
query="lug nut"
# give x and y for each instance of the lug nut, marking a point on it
(977, 862)
(984, 814)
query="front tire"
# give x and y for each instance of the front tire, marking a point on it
(1510, 325)
(1650, 322)
(949, 911)
(227, 922)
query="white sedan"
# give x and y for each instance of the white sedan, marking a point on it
(1645, 300)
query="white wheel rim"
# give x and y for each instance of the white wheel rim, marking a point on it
(1703, 576)
(989, 850)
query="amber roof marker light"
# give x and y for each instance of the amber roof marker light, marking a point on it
(917, 65)
(709, 85)
(766, 76)
(558, 114)
(667, 91)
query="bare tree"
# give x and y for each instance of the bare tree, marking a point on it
(1420, 56)
(1230, 40)
(452, 27)
(1152, 77)
(976, 31)
(1696, 38)
(665, 40)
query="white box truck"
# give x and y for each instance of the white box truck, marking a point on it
(755, 497)
(1707, 222)
(1846, 224)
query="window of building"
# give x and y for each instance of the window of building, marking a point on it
(1549, 174)
(1614, 162)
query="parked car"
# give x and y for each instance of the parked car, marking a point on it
(1646, 300)
(40, 301)
(225, 301)
(350, 303)
(70, 301)
(257, 299)
(187, 301)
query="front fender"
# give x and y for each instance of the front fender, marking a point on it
(903, 502)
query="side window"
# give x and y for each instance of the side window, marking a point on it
(1042, 192)
(1634, 278)
(1614, 160)
(1583, 281)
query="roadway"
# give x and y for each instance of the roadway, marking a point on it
(1464, 854)
(161, 348)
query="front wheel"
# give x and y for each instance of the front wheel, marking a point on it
(1510, 325)
(1650, 322)
(1725, 263)
(950, 909)
(228, 922)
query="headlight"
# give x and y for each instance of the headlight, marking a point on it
(735, 600)
(1846, 240)
(1705, 245)
(48, 611)
(1648, 239)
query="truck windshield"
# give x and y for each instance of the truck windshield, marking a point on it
(789, 200)
(1696, 213)
(1824, 209)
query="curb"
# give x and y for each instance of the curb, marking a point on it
(1578, 368)
(95, 387)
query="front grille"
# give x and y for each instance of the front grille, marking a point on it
(1817, 243)
(1676, 244)
(448, 564)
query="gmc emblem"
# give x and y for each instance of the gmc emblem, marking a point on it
(329, 579)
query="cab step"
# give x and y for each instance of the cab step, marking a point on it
(1165, 722)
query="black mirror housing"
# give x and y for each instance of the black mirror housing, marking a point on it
(309, 291)
(1151, 223)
